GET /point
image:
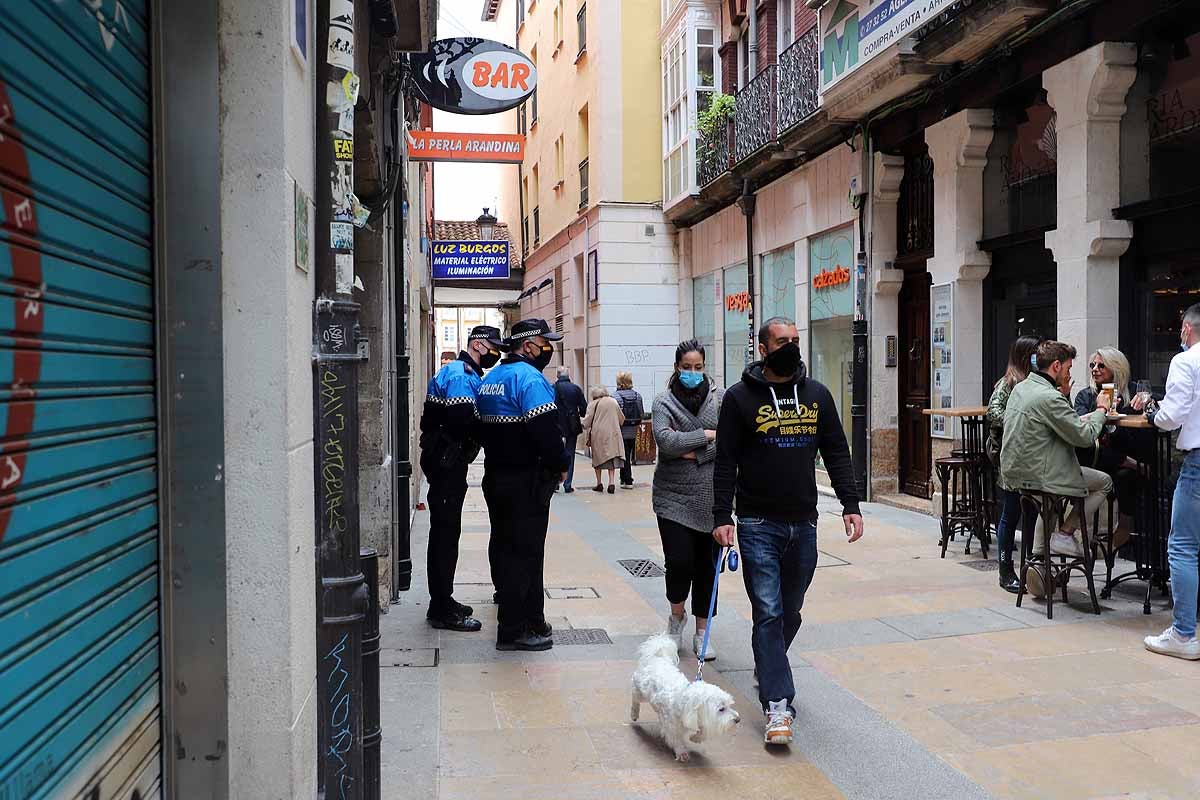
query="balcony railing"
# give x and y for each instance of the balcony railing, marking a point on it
(714, 154)
(799, 79)
(756, 114)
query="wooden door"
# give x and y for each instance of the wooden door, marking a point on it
(914, 384)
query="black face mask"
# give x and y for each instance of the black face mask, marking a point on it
(785, 361)
(489, 359)
(542, 359)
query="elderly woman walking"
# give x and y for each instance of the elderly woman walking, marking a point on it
(631, 407)
(603, 426)
(685, 430)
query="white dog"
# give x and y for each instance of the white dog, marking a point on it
(689, 713)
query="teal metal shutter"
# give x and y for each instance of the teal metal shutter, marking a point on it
(79, 538)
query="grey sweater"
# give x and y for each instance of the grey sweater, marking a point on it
(683, 489)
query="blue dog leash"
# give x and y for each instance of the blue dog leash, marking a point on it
(725, 556)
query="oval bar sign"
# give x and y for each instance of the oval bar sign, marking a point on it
(473, 76)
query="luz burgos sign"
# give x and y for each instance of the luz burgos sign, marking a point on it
(854, 33)
(470, 260)
(472, 76)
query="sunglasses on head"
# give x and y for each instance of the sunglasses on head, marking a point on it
(1097, 365)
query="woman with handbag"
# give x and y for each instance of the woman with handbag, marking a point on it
(685, 430)
(1020, 362)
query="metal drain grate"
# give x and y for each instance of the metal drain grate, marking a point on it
(983, 565)
(642, 568)
(571, 593)
(581, 636)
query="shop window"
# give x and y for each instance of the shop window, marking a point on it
(779, 284)
(737, 321)
(1021, 176)
(831, 312)
(1173, 118)
(704, 316)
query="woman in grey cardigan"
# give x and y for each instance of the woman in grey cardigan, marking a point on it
(685, 430)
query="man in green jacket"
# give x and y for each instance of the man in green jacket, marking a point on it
(1041, 432)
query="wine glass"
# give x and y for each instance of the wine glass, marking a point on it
(1142, 392)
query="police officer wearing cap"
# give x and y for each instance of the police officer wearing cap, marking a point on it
(448, 445)
(524, 461)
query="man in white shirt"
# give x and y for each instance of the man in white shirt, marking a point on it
(1180, 410)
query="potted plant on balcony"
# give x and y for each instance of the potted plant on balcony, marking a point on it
(712, 122)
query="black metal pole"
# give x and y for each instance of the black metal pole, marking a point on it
(341, 591)
(860, 386)
(372, 732)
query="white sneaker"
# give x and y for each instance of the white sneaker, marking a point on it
(1064, 544)
(675, 627)
(779, 723)
(698, 642)
(1170, 643)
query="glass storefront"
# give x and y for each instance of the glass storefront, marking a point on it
(704, 313)
(737, 321)
(831, 312)
(779, 284)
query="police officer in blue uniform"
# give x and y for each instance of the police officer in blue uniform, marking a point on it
(448, 444)
(524, 461)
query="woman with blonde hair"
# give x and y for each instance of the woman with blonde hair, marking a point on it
(603, 426)
(1113, 453)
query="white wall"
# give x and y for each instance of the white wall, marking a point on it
(266, 142)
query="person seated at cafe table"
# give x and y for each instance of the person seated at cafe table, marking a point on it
(1041, 432)
(1113, 453)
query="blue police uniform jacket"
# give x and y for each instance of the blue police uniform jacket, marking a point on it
(450, 411)
(519, 419)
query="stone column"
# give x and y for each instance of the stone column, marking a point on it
(958, 146)
(885, 315)
(1088, 95)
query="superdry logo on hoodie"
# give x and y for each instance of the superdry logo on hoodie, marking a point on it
(794, 423)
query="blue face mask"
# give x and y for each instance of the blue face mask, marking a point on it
(691, 380)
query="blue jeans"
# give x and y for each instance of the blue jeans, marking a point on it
(569, 446)
(778, 563)
(1006, 527)
(1183, 547)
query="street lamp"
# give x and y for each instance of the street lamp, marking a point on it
(487, 226)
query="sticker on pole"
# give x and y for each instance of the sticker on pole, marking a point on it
(341, 34)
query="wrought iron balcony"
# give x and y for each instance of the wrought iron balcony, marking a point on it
(799, 80)
(755, 115)
(714, 155)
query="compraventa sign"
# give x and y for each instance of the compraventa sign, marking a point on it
(470, 260)
(467, 75)
(852, 33)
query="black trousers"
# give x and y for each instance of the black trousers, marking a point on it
(517, 548)
(627, 470)
(447, 491)
(690, 557)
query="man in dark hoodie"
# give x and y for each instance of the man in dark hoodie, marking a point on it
(772, 425)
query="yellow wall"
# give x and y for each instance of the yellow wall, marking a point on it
(641, 89)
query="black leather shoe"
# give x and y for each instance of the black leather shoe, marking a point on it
(464, 610)
(455, 622)
(568, 490)
(542, 628)
(529, 641)
(1008, 579)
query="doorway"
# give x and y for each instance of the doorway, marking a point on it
(1020, 296)
(913, 384)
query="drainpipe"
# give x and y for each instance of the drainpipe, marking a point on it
(752, 32)
(747, 204)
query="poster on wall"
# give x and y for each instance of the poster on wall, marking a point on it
(941, 338)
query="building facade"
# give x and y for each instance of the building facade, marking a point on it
(600, 257)
(981, 174)
(160, 489)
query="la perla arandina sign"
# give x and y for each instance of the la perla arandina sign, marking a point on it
(467, 75)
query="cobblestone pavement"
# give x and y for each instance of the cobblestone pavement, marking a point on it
(917, 678)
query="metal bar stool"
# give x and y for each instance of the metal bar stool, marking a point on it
(962, 508)
(1052, 508)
